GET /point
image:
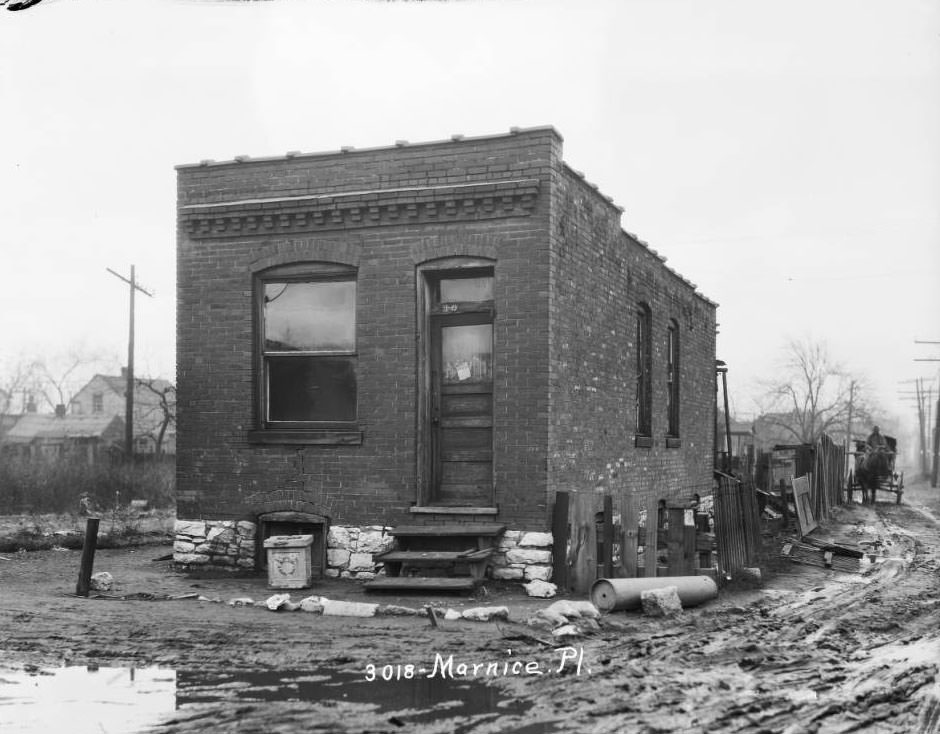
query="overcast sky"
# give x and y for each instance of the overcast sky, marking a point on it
(784, 156)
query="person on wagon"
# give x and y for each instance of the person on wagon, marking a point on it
(876, 440)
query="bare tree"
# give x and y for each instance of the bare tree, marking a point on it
(20, 381)
(60, 376)
(161, 415)
(814, 395)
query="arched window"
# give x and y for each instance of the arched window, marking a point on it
(644, 359)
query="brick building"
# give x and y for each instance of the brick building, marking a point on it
(436, 333)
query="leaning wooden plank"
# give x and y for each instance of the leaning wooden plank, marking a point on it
(652, 536)
(560, 540)
(628, 546)
(674, 541)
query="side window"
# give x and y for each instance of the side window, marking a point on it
(643, 365)
(97, 402)
(672, 379)
(308, 348)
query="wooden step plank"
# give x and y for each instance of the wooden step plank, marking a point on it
(447, 530)
(421, 583)
(434, 556)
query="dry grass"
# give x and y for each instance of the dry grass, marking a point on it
(117, 528)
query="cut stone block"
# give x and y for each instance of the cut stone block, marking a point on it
(536, 540)
(663, 602)
(528, 556)
(538, 572)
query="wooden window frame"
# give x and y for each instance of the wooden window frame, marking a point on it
(427, 279)
(643, 395)
(673, 367)
(311, 432)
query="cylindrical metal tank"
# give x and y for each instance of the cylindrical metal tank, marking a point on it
(612, 595)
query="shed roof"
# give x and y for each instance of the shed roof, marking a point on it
(34, 425)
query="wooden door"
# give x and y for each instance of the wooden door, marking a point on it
(462, 407)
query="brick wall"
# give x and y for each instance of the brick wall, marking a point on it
(223, 476)
(599, 275)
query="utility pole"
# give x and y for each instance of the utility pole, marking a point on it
(923, 433)
(936, 425)
(129, 396)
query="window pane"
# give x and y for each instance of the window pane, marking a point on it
(310, 317)
(454, 290)
(467, 353)
(311, 389)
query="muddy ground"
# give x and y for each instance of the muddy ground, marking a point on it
(812, 651)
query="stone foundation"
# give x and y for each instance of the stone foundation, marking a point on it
(227, 544)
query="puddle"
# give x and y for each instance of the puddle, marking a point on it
(132, 700)
(79, 699)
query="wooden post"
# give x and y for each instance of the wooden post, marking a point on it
(608, 536)
(628, 521)
(88, 556)
(560, 540)
(674, 541)
(652, 536)
(783, 501)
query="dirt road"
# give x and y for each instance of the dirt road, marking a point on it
(814, 651)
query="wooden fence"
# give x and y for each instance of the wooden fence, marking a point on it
(737, 525)
(828, 478)
(600, 535)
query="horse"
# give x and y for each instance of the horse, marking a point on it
(872, 466)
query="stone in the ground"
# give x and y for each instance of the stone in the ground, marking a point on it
(485, 614)
(277, 601)
(565, 608)
(451, 615)
(102, 581)
(553, 618)
(241, 601)
(663, 602)
(540, 589)
(586, 609)
(313, 604)
(539, 620)
(568, 630)
(334, 608)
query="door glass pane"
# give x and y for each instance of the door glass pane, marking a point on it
(454, 290)
(311, 388)
(467, 353)
(310, 317)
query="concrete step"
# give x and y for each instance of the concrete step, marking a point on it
(416, 583)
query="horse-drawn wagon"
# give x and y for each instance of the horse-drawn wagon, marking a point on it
(874, 470)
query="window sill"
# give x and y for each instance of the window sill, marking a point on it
(673, 442)
(643, 442)
(322, 437)
(451, 510)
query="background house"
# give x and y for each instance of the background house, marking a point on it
(90, 439)
(440, 333)
(154, 409)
